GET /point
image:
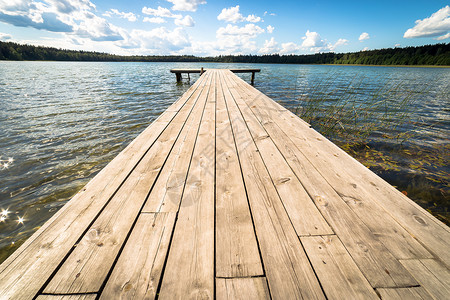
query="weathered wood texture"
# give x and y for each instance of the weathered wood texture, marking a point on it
(242, 288)
(229, 195)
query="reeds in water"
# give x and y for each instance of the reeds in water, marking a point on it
(378, 125)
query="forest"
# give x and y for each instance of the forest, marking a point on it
(438, 55)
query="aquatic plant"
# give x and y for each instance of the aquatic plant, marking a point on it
(375, 127)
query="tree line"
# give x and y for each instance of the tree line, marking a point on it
(438, 54)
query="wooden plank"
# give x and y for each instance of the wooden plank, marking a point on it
(67, 297)
(138, 270)
(302, 211)
(242, 288)
(338, 274)
(86, 268)
(237, 253)
(185, 71)
(417, 292)
(376, 262)
(348, 186)
(189, 272)
(199, 70)
(431, 275)
(176, 106)
(288, 271)
(29, 267)
(166, 194)
(418, 222)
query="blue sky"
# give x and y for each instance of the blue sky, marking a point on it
(208, 27)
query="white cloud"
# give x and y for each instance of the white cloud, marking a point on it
(253, 19)
(443, 37)
(114, 12)
(36, 15)
(237, 40)
(186, 5)
(74, 17)
(160, 12)
(290, 48)
(157, 41)
(266, 12)
(83, 29)
(365, 49)
(156, 20)
(314, 42)
(250, 30)
(187, 21)
(5, 36)
(438, 25)
(397, 45)
(232, 15)
(340, 42)
(364, 36)
(270, 47)
(98, 29)
(270, 29)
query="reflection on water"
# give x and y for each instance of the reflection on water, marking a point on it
(62, 122)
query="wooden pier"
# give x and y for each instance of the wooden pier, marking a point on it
(228, 195)
(179, 72)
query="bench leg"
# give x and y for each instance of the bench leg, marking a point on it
(178, 77)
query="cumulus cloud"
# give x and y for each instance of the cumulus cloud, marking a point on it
(187, 21)
(235, 39)
(232, 15)
(38, 15)
(438, 25)
(290, 48)
(156, 41)
(253, 19)
(73, 17)
(364, 36)
(82, 28)
(340, 42)
(98, 29)
(250, 30)
(160, 12)
(156, 20)
(313, 40)
(5, 36)
(186, 5)
(314, 43)
(270, 47)
(443, 37)
(124, 15)
(270, 29)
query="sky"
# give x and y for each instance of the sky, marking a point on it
(211, 27)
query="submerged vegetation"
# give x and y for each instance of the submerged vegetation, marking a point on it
(379, 132)
(438, 54)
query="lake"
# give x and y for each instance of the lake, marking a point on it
(62, 122)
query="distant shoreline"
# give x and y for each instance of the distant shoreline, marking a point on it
(421, 56)
(399, 66)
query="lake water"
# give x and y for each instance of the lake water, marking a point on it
(62, 122)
